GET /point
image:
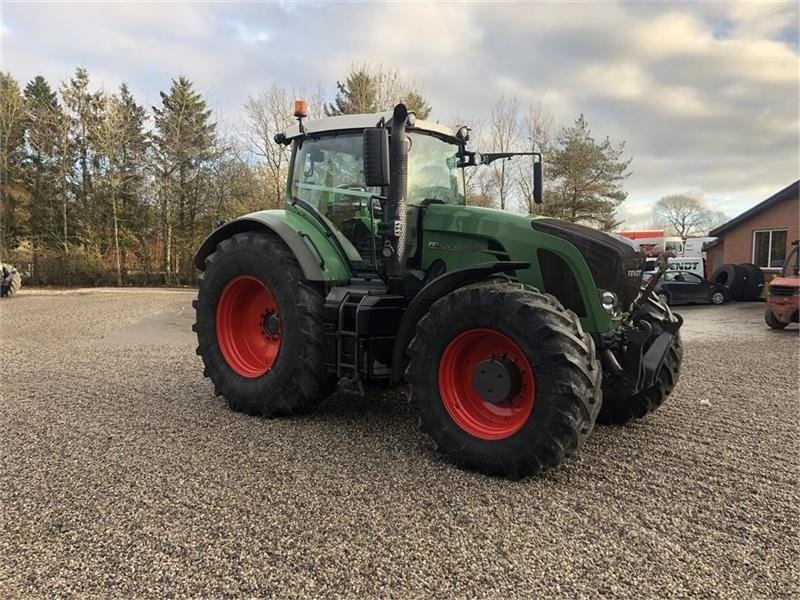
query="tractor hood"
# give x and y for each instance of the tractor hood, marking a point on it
(572, 262)
(614, 261)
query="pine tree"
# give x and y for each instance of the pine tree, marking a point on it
(83, 108)
(183, 143)
(42, 110)
(370, 89)
(358, 93)
(417, 104)
(586, 178)
(136, 212)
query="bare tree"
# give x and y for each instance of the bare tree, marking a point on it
(686, 214)
(477, 184)
(12, 138)
(118, 141)
(537, 129)
(269, 113)
(503, 136)
(712, 219)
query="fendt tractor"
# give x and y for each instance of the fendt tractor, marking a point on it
(514, 333)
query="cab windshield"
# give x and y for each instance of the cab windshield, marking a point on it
(328, 175)
(330, 170)
(791, 268)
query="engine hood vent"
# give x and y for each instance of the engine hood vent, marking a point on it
(614, 263)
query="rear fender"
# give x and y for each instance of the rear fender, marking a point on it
(317, 257)
(438, 288)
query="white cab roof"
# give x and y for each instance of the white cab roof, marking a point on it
(359, 122)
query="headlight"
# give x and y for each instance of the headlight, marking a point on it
(610, 302)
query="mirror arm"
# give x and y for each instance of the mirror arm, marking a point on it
(493, 156)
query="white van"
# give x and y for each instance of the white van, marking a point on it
(694, 246)
(679, 263)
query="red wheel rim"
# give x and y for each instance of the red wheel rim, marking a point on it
(248, 326)
(476, 416)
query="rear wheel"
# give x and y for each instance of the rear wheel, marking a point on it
(259, 327)
(504, 379)
(717, 297)
(663, 297)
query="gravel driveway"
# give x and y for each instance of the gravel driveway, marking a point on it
(121, 473)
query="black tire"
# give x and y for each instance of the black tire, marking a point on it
(732, 277)
(754, 281)
(555, 348)
(717, 297)
(619, 409)
(297, 380)
(772, 321)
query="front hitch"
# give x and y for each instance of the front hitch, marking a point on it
(633, 355)
(663, 266)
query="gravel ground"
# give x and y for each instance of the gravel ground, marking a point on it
(121, 473)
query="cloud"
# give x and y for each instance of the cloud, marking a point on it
(705, 95)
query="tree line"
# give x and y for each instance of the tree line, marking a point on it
(96, 188)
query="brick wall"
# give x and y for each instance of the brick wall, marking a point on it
(715, 258)
(737, 244)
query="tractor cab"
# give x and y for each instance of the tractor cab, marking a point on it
(327, 179)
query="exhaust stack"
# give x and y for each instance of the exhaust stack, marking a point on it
(394, 248)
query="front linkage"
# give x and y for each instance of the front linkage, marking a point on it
(634, 354)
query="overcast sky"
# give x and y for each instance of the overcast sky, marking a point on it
(705, 95)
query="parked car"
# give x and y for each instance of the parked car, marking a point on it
(783, 303)
(683, 287)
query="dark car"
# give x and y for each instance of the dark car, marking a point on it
(682, 287)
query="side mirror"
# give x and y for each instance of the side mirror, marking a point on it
(662, 262)
(537, 181)
(376, 157)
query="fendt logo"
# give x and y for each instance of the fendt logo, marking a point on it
(451, 247)
(686, 265)
(634, 272)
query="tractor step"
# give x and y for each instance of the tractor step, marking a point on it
(360, 325)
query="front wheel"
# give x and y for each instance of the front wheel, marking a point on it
(619, 406)
(773, 321)
(504, 379)
(259, 327)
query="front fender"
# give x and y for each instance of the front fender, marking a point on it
(317, 257)
(438, 288)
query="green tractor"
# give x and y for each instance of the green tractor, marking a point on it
(515, 333)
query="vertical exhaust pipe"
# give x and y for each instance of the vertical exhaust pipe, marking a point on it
(394, 249)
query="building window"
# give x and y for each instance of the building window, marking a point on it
(769, 248)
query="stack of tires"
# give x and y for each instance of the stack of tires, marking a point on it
(744, 282)
(10, 280)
